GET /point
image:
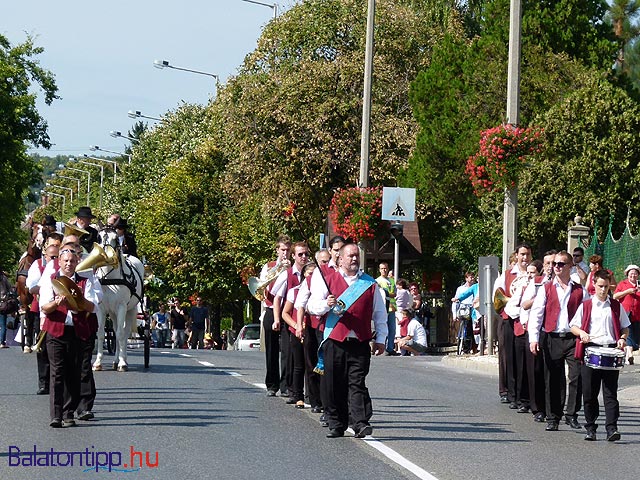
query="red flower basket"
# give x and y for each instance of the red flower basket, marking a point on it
(355, 212)
(502, 154)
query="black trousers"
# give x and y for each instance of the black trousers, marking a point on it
(64, 385)
(284, 357)
(272, 352)
(592, 379)
(346, 368)
(295, 368)
(503, 388)
(509, 358)
(558, 352)
(310, 346)
(84, 372)
(523, 370)
(44, 372)
(32, 322)
(537, 384)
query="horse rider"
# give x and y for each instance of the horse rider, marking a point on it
(83, 221)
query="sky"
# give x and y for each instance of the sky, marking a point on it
(102, 55)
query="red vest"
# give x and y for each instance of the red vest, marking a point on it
(358, 316)
(85, 324)
(587, 306)
(268, 296)
(552, 308)
(35, 305)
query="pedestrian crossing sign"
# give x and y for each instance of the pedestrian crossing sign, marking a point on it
(399, 204)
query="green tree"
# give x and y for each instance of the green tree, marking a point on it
(20, 126)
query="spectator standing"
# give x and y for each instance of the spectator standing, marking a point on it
(199, 317)
(5, 307)
(388, 284)
(178, 324)
(628, 294)
(161, 326)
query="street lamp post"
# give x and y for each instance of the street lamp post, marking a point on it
(101, 167)
(138, 114)
(117, 134)
(273, 6)
(57, 175)
(95, 148)
(113, 162)
(165, 64)
(88, 180)
(64, 199)
(48, 184)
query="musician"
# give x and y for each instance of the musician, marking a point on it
(600, 322)
(33, 279)
(347, 354)
(628, 294)
(554, 306)
(70, 335)
(506, 359)
(83, 221)
(126, 239)
(296, 330)
(271, 329)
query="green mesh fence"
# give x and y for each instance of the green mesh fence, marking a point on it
(617, 254)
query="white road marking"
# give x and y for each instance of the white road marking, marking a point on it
(185, 355)
(399, 459)
(234, 374)
(206, 364)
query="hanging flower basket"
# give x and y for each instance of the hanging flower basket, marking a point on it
(502, 154)
(355, 212)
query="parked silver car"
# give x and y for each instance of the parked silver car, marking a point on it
(248, 338)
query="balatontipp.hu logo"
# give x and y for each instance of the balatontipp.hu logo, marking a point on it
(87, 459)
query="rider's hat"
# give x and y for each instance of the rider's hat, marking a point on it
(85, 212)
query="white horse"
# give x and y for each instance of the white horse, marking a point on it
(122, 287)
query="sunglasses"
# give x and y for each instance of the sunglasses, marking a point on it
(578, 255)
(68, 250)
(559, 264)
(303, 254)
(52, 257)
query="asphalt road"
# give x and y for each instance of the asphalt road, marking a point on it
(207, 416)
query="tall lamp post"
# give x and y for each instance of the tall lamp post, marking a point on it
(48, 184)
(96, 148)
(101, 167)
(165, 64)
(113, 162)
(64, 199)
(67, 167)
(272, 6)
(117, 134)
(138, 114)
(57, 175)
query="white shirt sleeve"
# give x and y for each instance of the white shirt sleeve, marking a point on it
(33, 276)
(303, 296)
(537, 315)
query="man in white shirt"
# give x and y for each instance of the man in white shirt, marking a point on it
(415, 339)
(347, 354)
(600, 322)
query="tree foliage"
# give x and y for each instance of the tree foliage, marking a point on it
(20, 126)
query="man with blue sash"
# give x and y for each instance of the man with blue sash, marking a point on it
(352, 299)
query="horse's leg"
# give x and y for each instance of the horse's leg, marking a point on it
(100, 313)
(122, 334)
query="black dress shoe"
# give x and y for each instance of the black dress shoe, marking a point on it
(539, 417)
(523, 409)
(364, 431)
(55, 423)
(551, 426)
(572, 422)
(42, 391)
(513, 405)
(335, 433)
(504, 399)
(316, 409)
(87, 415)
(613, 435)
(271, 393)
(290, 401)
(590, 436)
(284, 394)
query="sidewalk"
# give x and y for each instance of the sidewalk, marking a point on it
(488, 365)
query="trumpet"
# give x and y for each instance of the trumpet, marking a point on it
(42, 334)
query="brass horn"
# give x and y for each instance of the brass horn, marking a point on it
(72, 229)
(41, 337)
(500, 300)
(99, 257)
(257, 286)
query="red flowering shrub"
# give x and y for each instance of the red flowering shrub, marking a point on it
(502, 154)
(355, 212)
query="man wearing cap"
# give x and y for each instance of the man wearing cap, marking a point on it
(628, 294)
(70, 324)
(125, 238)
(83, 220)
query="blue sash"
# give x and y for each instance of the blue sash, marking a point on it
(346, 300)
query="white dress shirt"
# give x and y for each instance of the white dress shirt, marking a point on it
(92, 292)
(601, 323)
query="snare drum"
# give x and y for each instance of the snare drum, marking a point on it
(604, 358)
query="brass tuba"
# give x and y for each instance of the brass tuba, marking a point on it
(99, 257)
(73, 229)
(500, 300)
(257, 286)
